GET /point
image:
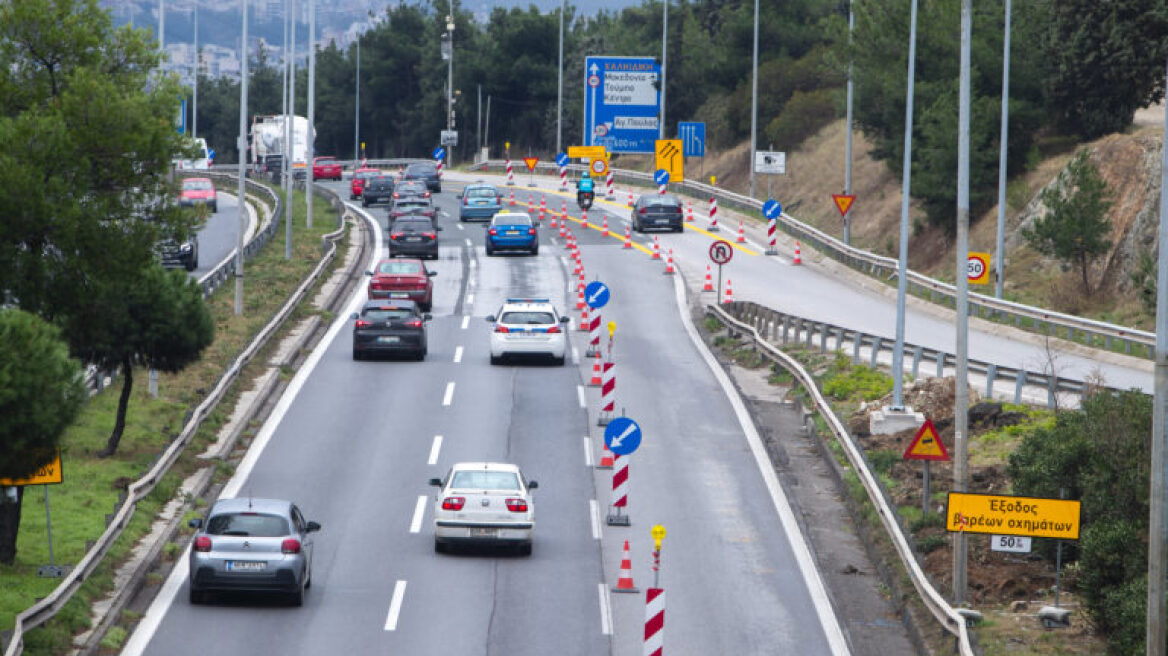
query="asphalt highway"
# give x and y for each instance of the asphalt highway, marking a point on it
(217, 238)
(354, 443)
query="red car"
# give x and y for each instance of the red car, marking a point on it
(198, 191)
(359, 178)
(402, 278)
(326, 168)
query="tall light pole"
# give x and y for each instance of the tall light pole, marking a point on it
(848, 135)
(905, 199)
(311, 155)
(664, 56)
(162, 25)
(195, 92)
(450, 77)
(241, 145)
(1000, 254)
(357, 111)
(290, 130)
(560, 88)
(754, 103)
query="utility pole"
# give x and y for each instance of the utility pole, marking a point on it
(241, 224)
(1000, 254)
(450, 80)
(753, 104)
(290, 152)
(560, 88)
(479, 124)
(848, 135)
(195, 92)
(961, 394)
(311, 155)
(664, 57)
(905, 200)
(357, 111)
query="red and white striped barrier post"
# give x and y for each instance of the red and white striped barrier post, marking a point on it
(611, 193)
(772, 229)
(594, 335)
(620, 492)
(563, 178)
(689, 211)
(654, 622)
(713, 214)
(438, 167)
(607, 393)
(510, 172)
(661, 189)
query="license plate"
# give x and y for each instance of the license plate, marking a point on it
(399, 295)
(413, 239)
(662, 221)
(512, 232)
(246, 566)
(388, 340)
(483, 532)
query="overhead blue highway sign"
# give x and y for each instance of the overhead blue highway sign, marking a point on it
(622, 103)
(596, 294)
(622, 436)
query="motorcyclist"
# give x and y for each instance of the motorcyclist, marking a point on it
(584, 184)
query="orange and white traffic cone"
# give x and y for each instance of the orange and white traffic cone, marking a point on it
(689, 211)
(728, 297)
(580, 304)
(798, 256)
(584, 323)
(625, 582)
(530, 204)
(583, 218)
(741, 234)
(630, 198)
(628, 238)
(596, 379)
(656, 248)
(512, 197)
(669, 263)
(542, 206)
(709, 286)
(604, 230)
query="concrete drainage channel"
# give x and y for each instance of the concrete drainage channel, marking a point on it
(255, 404)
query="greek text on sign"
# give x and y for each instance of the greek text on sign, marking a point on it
(586, 152)
(1002, 515)
(630, 88)
(48, 474)
(635, 122)
(978, 268)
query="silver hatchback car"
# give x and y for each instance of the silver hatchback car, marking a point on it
(253, 545)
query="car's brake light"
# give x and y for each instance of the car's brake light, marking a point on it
(430, 235)
(395, 237)
(531, 231)
(502, 329)
(203, 543)
(643, 210)
(516, 505)
(414, 323)
(426, 195)
(553, 329)
(290, 546)
(453, 503)
(466, 200)
(396, 195)
(361, 323)
(499, 200)
(493, 231)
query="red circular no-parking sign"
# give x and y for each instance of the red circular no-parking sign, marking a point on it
(721, 251)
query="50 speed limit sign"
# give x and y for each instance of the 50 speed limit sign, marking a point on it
(978, 268)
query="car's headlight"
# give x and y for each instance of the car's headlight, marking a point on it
(185, 247)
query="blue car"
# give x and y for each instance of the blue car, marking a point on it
(512, 231)
(479, 201)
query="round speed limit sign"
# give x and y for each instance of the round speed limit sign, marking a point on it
(599, 167)
(978, 268)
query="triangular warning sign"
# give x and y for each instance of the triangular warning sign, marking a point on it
(927, 444)
(531, 162)
(843, 202)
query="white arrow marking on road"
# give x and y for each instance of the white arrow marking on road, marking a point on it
(399, 591)
(616, 441)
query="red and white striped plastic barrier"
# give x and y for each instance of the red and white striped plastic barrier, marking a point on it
(772, 228)
(661, 189)
(713, 214)
(563, 178)
(620, 481)
(594, 335)
(611, 192)
(438, 166)
(607, 394)
(654, 622)
(510, 172)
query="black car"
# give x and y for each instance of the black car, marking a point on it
(411, 189)
(426, 172)
(173, 253)
(377, 190)
(388, 327)
(411, 207)
(658, 212)
(414, 235)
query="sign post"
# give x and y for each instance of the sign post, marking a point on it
(658, 533)
(622, 103)
(622, 436)
(48, 474)
(530, 162)
(721, 253)
(927, 446)
(772, 209)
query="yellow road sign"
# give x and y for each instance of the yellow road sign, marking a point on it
(611, 329)
(658, 533)
(599, 166)
(668, 156)
(587, 152)
(48, 474)
(926, 445)
(1002, 515)
(978, 268)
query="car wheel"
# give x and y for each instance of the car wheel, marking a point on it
(440, 547)
(420, 355)
(495, 359)
(428, 306)
(214, 207)
(490, 252)
(297, 598)
(196, 596)
(559, 362)
(365, 203)
(535, 251)
(524, 549)
(680, 229)
(357, 355)
(637, 227)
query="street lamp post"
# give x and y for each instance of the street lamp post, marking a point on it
(241, 145)
(311, 155)
(450, 79)
(560, 88)
(754, 103)
(357, 111)
(664, 56)
(195, 92)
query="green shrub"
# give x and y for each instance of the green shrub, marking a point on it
(931, 543)
(927, 520)
(882, 460)
(847, 381)
(806, 113)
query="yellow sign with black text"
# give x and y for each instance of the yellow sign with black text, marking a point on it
(668, 156)
(587, 152)
(1002, 515)
(48, 474)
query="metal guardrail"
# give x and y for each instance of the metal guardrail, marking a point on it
(1096, 334)
(948, 617)
(46, 608)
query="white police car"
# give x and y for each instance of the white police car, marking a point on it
(528, 327)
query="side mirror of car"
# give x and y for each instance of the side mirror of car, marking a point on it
(354, 315)
(531, 485)
(195, 523)
(431, 273)
(436, 482)
(312, 527)
(564, 319)
(491, 318)
(368, 273)
(437, 228)
(427, 316)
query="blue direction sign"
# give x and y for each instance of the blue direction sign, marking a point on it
(439, 153)
(772, 209)
(693, 139)
(661, 177)
(596, 294)
(562, 159)
(622, 103)
(622, 436)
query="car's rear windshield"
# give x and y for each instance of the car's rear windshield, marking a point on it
(421, 168)
(399, 268)
(527, 317)
(380, 183)
(668, 201)
(411, 206)
(385, 314)
(248, 524)
(485, 480)
(408, 225)
(413, 185)
(197, 184)
(482, 192)
(367, 174)
(511, 219)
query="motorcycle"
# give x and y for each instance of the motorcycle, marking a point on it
(584, 199)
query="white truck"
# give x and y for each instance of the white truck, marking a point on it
(202, 160)
(267, 145)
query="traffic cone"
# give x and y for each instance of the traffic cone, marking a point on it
(628, 238)
(542, 206)
(604, 230)
(580, 304)
(625, 582)
(741, 234)
(530, 204)
(669, 263)
(630, 199)
(606, 458)
(584, 218)
(512, 197)
(728, 297)
(689, 211)
(656, 248)
(709, 286)
(596, 374)
(798, 257)
(584, 323)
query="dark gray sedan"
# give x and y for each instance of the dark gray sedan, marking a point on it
(389, 327)
(252, 545)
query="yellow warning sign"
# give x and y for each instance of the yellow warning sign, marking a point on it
(1001, 515)
(927, 444)
(978, 268)
(586, 152)
(669, 156)
(48, 474)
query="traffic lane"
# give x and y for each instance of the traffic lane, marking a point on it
(728, 568)
(217, 238)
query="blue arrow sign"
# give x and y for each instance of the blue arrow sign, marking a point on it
(622, 103)
(439, 153)
(562, 159)
(596, 294)
(693, 139)
(622, 436)
(772, 209)
(661, 177)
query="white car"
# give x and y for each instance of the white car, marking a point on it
(528, 327)
(486, 503)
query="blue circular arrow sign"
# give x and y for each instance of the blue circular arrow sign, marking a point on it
(772, 209)
(562, 159)
(661, 177)
(439, 153)
(622, 436)
(596, 294)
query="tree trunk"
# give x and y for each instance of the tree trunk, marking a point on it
(111, 446)
(1084, 263)
(9, 525)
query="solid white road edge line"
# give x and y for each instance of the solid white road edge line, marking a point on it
(419, 513)
(434, 450)
(605, 611)
(803, 558)
(399, 591)
(575, 355)
(154, 614)
(465, 321)
(449, 395)
(458, 354)
(579, 395)
(587, 451)
(594, 517)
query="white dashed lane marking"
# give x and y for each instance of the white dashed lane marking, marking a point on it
(395, 604)
(434, 450)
